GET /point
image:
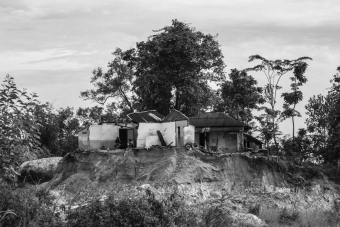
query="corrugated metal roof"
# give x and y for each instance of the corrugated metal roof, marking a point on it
(146, 116)
(215, 119)
(175, 115)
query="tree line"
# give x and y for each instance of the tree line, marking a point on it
(178, 68)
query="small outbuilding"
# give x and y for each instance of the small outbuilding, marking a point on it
(104, 135)
(215, 131)
(252, 143)
(174, 128)
(180, 121)
(218, 131)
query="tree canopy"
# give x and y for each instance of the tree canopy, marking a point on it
(173, 68)
(274, 70)
(114, 85)
(241, 95)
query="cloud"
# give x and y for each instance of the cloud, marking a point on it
(41, 37)
(60, 87)
(44, 59)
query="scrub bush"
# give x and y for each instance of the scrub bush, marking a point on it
(22, 207)
(138, 212)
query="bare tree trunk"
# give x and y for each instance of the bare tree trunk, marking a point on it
(293, 128)
(176, 98)
(274, 133)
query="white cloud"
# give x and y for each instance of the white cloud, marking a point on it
(42, 60)
(63, 34)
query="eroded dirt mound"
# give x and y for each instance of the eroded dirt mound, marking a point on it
(179, 168)
(165, 166)
(239, 181)
(161, 167)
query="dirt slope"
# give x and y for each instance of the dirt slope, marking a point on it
(172, 166)
(242, 179)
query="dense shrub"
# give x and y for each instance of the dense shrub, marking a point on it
(26, 207)
(255, 209)
(288, 216)
(139, 212)
(216, 216)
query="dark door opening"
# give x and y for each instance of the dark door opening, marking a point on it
(123, 136)
(179, 144)
(202, 139)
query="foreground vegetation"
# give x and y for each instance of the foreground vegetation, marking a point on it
(172, 69)
(33, 207)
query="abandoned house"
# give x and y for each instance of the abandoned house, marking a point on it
(103, 135)
(213, 131)
(219, 131)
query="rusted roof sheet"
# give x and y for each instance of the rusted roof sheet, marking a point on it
(146, 116)
(175, 115)
(216, 119)
(81, 129)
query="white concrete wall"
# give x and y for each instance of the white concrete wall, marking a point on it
(189, 134)
(168, 130)
(150, 129)
(152, 140)
(83, 139)
(213, 139)
(105, 134)
(197, 138)
(147, 129)
(221, 140)
(180, 125)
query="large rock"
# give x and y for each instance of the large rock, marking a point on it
(250, 220)
(39, 171)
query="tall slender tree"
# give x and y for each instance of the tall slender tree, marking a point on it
(274, 70)
(295, 96)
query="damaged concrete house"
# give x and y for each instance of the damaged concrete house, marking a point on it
(103, 135)
(219, 131)
(139, 129)
(213, 131)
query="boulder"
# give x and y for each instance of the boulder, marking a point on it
(38, 171)
(250, 220)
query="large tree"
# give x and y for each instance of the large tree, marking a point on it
(18, 123)
(333, 118)
(89, 115)
(317, 110)
(274, 70)
(173, 68)
(19, 128)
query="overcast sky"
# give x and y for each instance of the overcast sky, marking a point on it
(51, 47)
